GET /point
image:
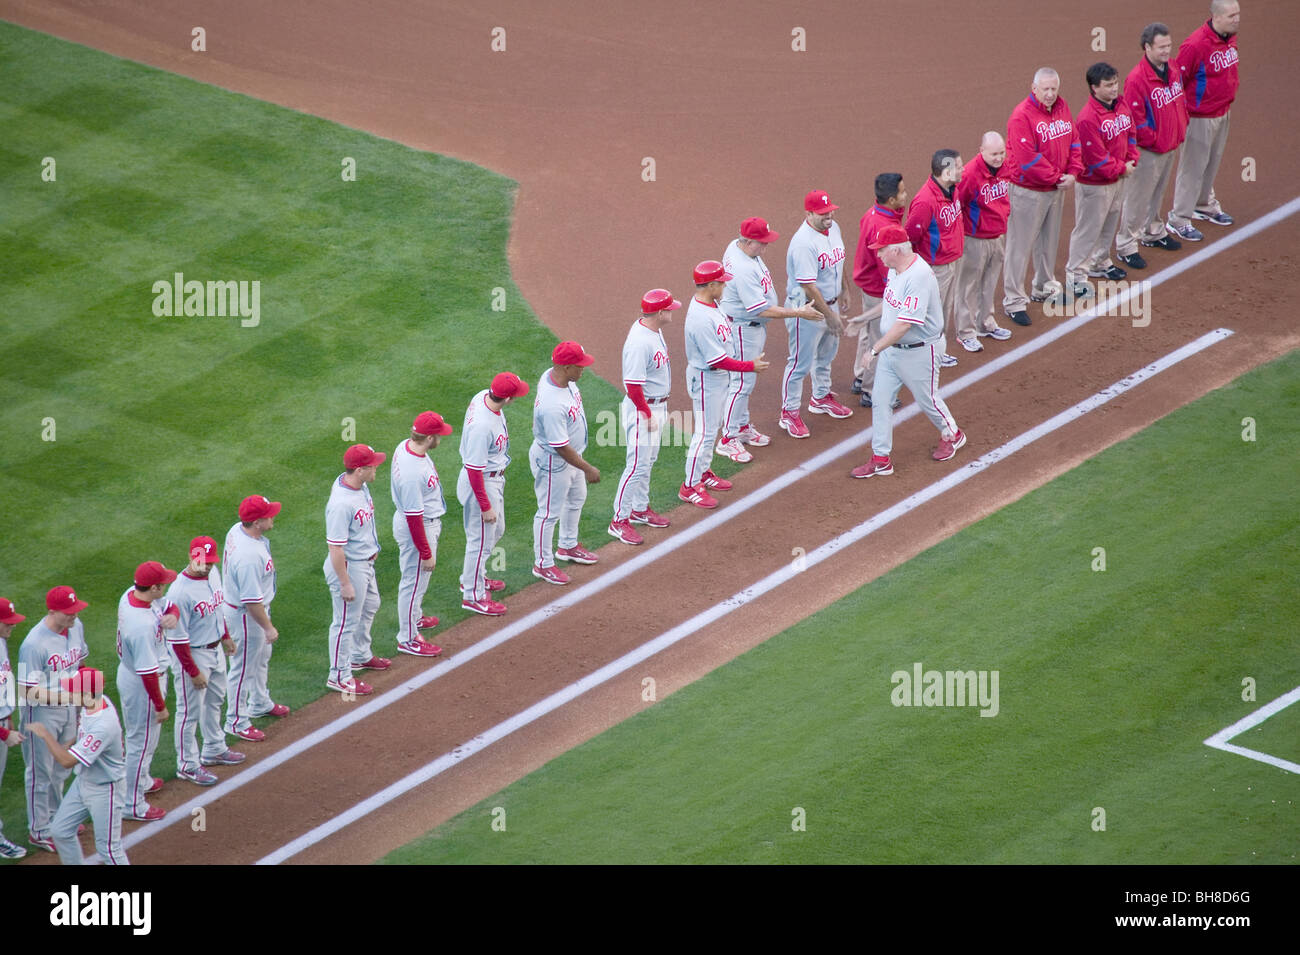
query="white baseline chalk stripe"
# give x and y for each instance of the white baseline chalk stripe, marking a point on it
(635, 565)
(739, 599)
(1220, 739)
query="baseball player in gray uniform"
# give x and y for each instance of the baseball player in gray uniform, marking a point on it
(8, 694)
(481, 485)
(418, 506)
(353, 542)
(98, 792)
(142, 615)
(710, 360)
(560, 472)
(198, 662)
(249, 589)
(910, 350)
(814, 265)
(647, 379)
(749, 302)
(54, 648)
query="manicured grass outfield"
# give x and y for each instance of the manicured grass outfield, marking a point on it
(1109, 683)
(376, 303)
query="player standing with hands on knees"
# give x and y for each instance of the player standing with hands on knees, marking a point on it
(709, 362)
(910, 353)
(560, 472)
(353, 543)
(647, 378)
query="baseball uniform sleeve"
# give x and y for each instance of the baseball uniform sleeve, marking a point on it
(803, 261)
(409, 495)
(338, 518)
(554, 426)
(636, 359)
(30, 664)
(749, 287)
(87, 747)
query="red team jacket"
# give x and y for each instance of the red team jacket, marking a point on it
(1042, 145)
(869, 273)
(934, 224)
(1159, 108)
(984, 199)
(1208, 68)
(1107, 139)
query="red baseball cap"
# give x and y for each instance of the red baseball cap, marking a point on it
(7, 612)
(64, 600)
(658, 300)
(255, 506)
(890, 235)
(362, 456)
(509, 385)
(818, 202)
(757, 229)
(206, 548)
(711, 271)
(571, 353)
(87, 681)
(430, 422)
(151, 573)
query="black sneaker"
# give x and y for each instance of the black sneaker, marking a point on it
(1080, 290)
(1020, 318)
(865, 400)
(1114, 273)
(1164, 242)
(857, 386)
(1134, 261)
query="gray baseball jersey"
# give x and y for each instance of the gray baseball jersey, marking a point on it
(140, 642)
(816, 257)
(350, 521)
(250, 571)
(414, 484)
(645, 361)
(751, 290)
(484, 441)
(912, 296)
(708, 335)
(99, 747)
(558, 417)
(198, 604)
(44, 657)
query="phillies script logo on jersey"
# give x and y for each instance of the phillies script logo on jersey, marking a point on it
(65, 661)
(432, 482)
(767, 281)
(1162, 96)
(364, 514)
(990, 192)
(949, 213)
(660, 359)
(830, 260)
(910, 304)
(1117, 125)
(1054, 130)
(205, 608)
(723, 331)
(1222, 59)
(500, 442)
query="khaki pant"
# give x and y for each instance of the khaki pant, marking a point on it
(977, 282)
(1202, 150)
(946, 276)
(868, 325)
(1141, 218)
(1096, 220)
(1033, 226)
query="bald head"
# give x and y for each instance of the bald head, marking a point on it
(993, 149)
(1225, 16)
(1047, 86)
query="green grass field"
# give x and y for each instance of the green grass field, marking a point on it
(127, 434)
(1109, 682)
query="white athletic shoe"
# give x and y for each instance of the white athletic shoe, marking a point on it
(735, 450)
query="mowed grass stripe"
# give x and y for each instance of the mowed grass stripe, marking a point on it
(376, 303)
(1109, 680)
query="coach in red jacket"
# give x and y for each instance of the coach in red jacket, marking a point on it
(1154, 92)
(1110, 155)
(985, 204)
(1207, 63)
(869, 274)
(934, 226)
(1045, 156)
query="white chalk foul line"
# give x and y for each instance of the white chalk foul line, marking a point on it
(773, 580)
(1220, 739)
(734, 508)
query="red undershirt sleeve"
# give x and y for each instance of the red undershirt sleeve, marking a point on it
(636, 393)
(728, 363)
(475, 476)
(151, 686)
(182, 651)
(415, 522)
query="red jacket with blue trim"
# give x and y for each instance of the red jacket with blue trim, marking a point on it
(1107, 139)
(1159, 107)
(1042, 144)
(934, 224)
(1207, 64)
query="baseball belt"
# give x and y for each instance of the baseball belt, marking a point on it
(656, 401)
(488, 474)
(912, 345)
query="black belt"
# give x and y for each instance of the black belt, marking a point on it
(912, 345)
(212, 646)
(488, 474)
(752, 324)
(832, 301)
(372, 556)
(656, 401)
